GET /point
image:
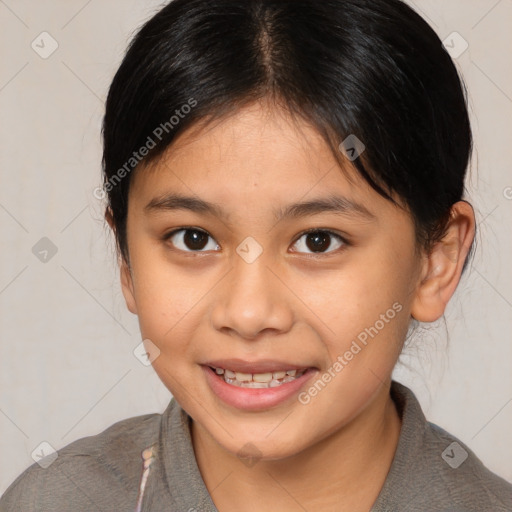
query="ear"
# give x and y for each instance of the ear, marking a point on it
(442, 267)
(125, 270)
(126, 274)
(127, 287)
(109, 217)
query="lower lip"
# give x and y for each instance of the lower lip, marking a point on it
(254, 399)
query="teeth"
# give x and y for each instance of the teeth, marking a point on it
(254, 385)
(262, 377)
(258, 380)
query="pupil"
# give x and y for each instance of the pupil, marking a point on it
(195, 239)
(320, 241)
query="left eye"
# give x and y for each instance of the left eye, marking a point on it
(319, 241)
(191, 240)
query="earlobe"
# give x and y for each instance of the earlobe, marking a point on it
(127, 287)
(443, 266)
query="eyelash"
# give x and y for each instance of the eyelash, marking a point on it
(328, 232)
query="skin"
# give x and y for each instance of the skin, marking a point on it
(290, 304)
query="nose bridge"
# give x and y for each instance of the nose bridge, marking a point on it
(251, 300)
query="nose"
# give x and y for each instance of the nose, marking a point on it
(252, 300)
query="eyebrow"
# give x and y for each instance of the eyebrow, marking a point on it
(332, 204)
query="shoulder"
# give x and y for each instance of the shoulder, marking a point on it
(99, 472)
(461, 475)
(434, 470)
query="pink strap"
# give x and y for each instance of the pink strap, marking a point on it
(148, 455)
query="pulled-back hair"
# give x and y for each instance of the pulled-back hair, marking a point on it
(370, 68)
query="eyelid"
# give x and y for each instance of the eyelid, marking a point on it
(168, 234)
(324, 230)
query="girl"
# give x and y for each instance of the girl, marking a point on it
(285, 183)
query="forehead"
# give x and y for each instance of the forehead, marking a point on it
(259, 156)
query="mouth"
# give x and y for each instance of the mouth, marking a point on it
(264, 380)
(256, 386)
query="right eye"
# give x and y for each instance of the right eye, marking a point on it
(191, 240)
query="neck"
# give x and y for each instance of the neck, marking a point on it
(344, 471)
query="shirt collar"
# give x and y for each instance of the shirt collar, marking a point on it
(409, 448)
(184, 480)
(189, 491)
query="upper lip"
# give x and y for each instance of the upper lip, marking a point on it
(260, 366)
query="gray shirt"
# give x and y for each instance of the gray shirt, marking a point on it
(431, 471)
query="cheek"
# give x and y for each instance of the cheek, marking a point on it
(366, 300)
(163, 297)
(353, 295)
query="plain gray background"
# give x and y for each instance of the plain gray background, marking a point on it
(67, 368)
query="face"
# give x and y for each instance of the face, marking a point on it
(276, 286)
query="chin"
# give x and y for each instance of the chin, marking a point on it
(262, 446)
